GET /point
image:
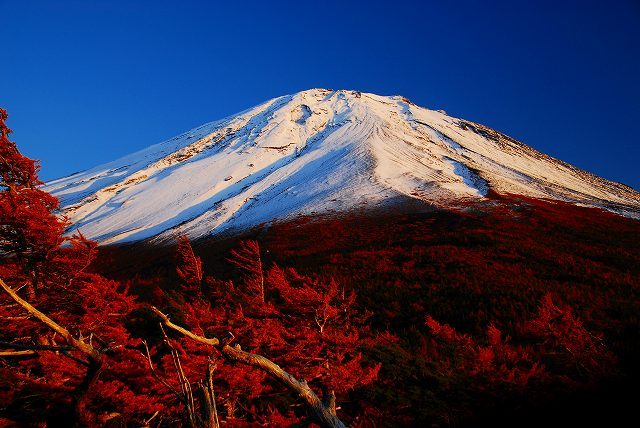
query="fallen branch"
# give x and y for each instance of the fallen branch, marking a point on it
(166, 321)
(323, 411)
(16, 353)
(30, 349)
(94, 362)
(34, 347)
(85, 348)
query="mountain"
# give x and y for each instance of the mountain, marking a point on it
(317, 151)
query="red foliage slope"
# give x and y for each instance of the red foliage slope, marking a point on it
(540, 299)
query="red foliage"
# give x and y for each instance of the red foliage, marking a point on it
(494, 360)
(349, 317)
(30, 235)
(247, 259)
(53, 272)
(311, 328)
(566, 344)
(359, 293)
(189, 266)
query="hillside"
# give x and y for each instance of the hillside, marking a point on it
(469, 269)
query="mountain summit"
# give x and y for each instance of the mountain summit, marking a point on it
(316, 151)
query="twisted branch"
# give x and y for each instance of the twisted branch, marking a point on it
(323, 411)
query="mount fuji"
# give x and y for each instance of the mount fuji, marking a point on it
(314, 152)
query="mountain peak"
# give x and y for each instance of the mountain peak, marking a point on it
(315, 151)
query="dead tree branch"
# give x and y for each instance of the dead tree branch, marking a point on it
(81, 346)
(94, 356)
(323, 411)
(16, 353)
(210, 411)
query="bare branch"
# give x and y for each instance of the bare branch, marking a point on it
(185, 395)
(165, 319)
(80, 399)
(210, 411)
(34, 347)
(148, 421)
(185, 385)
(87, 349)
(323, 412)
(157, 376)
(16, 353)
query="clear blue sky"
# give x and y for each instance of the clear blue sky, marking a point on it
(88, 81)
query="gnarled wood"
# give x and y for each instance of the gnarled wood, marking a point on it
(210, 411)
(16, 353)
(94, 356)
(324, 413)
(166, 321)
(85, 348)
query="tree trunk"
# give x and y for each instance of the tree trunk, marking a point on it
(209, 409)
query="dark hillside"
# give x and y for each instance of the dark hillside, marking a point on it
(485, 267)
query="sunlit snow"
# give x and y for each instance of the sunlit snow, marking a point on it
(313, 152)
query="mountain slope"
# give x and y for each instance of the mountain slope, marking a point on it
(312, 152)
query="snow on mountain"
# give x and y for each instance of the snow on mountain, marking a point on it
(313, 152)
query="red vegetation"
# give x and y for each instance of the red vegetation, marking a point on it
(248, 261)
(527, 303)
(490, 265)
(310, 327)
(188, 265)
(532, 303)
(30, 231)
(49, 371)
(71, 359)
(555, 339)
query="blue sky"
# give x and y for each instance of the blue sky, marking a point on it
(88, 81)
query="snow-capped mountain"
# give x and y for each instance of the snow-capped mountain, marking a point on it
(312, 152)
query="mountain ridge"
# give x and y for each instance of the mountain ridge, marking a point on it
(312, 152)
